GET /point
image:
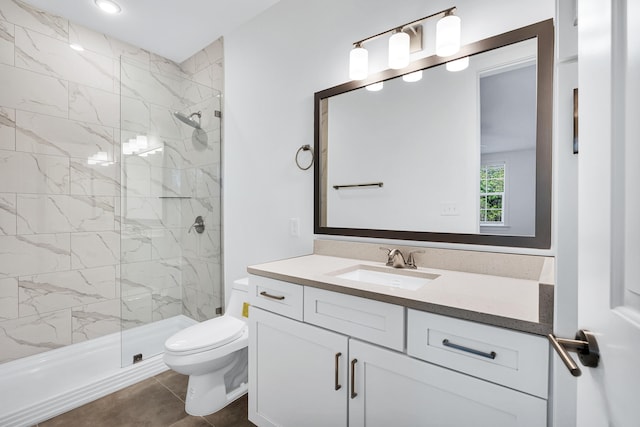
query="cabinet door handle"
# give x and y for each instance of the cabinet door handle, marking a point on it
(268, 295)
(353, 378)
(338, 386)
(447, 343)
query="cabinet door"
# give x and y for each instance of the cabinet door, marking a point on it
(395, 390)
(292, 373)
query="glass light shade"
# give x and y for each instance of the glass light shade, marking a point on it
(413, 77)
(375, 87)
(399, 50)
(358, 63)
(108, 6)
(458, 64)
(448, 35)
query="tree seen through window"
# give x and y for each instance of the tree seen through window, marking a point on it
(492, 179)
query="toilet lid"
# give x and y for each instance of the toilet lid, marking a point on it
(206, 335)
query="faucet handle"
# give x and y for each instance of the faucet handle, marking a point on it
(389, 256)
(411, 262)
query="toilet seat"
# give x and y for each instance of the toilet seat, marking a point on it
(205, 336)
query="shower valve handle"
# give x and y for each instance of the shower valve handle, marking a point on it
(198, 225)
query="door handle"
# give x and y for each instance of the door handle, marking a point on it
(585, 345)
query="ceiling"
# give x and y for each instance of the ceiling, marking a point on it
(173, 29)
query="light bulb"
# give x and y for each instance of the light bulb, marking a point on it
(375, 87)
(399, 50)
(358, 63)
(448, 35)
(413, 77)
(108, 6)
(458, 64)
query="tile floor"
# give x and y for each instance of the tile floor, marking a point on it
(155, 402)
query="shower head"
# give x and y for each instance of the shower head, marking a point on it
(189, 119)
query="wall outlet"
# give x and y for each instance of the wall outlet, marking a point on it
(294, 227)
(449, 209)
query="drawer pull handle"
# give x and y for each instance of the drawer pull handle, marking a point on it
(268, 295)
(338, 386)
(447, 343)
(353, 378)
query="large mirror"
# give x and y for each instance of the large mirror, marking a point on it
(454, 156)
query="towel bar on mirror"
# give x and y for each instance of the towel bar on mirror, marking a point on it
(373, 184)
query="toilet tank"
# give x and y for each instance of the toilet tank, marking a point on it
(239, 295)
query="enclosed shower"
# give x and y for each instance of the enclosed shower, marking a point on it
(110, 211)
(170, 263)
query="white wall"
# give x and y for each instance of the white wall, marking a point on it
(409, 136)
(274, 65)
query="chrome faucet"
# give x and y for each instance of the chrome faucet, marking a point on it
(395, 258)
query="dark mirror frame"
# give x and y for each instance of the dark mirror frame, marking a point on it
(544, 32)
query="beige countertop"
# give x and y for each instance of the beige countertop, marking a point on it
(519, 304)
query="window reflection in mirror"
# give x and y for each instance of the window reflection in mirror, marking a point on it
(508, 149)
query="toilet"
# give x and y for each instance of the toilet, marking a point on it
(214, 355)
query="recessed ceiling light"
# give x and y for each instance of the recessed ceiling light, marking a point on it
(76, 46)
(108, 6)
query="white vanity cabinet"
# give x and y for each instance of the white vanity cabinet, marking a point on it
(298, 373)
(393, 389)
(366, 363)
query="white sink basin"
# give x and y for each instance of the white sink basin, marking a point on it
(402, 279)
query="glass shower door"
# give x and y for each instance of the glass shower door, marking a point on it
(170, 270)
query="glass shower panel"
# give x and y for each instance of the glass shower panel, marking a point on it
(170, 270)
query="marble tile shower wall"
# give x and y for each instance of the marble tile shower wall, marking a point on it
(167, 270)
(60, 217)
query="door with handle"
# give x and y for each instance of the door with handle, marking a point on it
(298, 373)
(609, 209)
(387, 388)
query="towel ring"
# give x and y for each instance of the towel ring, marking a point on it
(306, 147)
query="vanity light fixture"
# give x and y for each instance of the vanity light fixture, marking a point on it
(413, 77)
(458, 64)
(375, 87)
(448, 35)
(108, 6)
(404, 40)
(399, 50)
(358, 63)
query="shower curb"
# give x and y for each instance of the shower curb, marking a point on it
(67, 401)
(88, 370)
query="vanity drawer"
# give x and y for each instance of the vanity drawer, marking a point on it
(513, 359)
(374, 321)
(276, 296)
